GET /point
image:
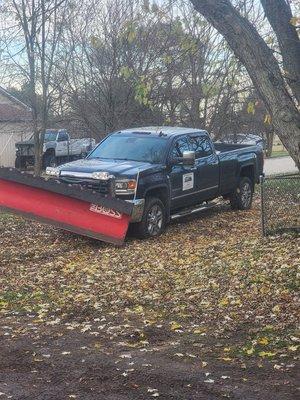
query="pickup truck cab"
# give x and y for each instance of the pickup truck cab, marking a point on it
(58, 148)
(167, 172)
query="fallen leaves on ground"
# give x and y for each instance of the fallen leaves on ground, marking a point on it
(214, 275)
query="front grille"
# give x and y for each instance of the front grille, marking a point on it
(99, 186)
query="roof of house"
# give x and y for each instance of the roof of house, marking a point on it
(13, 110)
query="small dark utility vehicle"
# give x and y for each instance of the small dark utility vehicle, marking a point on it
(167, 172)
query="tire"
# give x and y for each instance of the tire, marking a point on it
(20, 162)
(50, 160)
(153, 222)
(241, 198)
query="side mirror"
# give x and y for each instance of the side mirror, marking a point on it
(188, 157)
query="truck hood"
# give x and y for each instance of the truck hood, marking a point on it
(117, 168)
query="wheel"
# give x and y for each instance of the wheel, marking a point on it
(241, 198)
(20, 163)
(153, 222)
(50, 160)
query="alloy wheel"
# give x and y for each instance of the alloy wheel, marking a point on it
(155, 220)
(246, 194)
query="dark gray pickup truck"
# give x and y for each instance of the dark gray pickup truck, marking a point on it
(167, 172)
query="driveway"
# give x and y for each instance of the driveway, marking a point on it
(280, 165)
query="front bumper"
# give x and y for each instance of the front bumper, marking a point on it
(138, 209)
(104, 187)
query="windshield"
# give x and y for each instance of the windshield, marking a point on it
(133, 148)
(50, 136)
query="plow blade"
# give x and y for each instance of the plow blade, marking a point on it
(67, 207)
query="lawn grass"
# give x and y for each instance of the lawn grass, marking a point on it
(279, 153)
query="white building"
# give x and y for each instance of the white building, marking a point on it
(15, 125)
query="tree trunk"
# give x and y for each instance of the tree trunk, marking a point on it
(262, 68)
(269, 143)
(37, 154)
(35, 117)
(279, 15)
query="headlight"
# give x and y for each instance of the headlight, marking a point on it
(125, 186)
(52, 171)
(102, 176)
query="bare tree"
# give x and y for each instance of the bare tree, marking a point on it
(35, 32)
(108, 70)
(262, 65)
(123, 63)
(128, 63)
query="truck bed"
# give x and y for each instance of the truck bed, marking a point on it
(231, 156)
(225, 147)
(79, 146)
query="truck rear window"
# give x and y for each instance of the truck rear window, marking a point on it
(133, 148)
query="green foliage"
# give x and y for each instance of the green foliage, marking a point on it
(251, 108)
(95, 42)
(126, 72)
(210, 91)
(167, 59)
(189, 45)
(268, 119)
(142, 91)
(130, 31)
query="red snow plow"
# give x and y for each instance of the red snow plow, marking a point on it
(68, 207)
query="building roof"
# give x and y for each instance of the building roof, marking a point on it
(13, 110)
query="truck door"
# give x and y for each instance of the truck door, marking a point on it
(62, 145)
(207, 166)
(182, 177)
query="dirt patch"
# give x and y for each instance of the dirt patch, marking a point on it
(55, 362)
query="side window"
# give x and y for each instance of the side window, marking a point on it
(179, 147)
(63, 137)
(201, 146)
